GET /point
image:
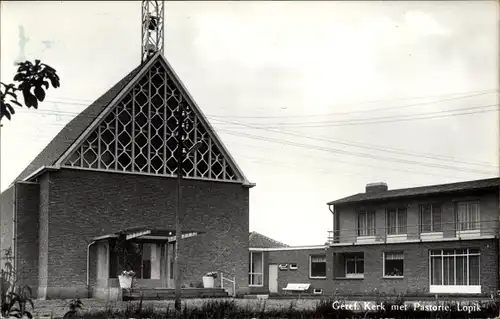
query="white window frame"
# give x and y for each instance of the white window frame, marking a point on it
(433, 232)
(463, 289)
(369, 231)
(355, 259)
(473, 231)
(383, 264)
(310, 267)
(251, 272)
(397, 234)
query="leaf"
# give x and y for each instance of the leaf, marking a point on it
(14, 95)
(29, 99)
(4, 113)
(9, 108)
(46, 84)
(39, 93)
(19, 77)
(54, 82)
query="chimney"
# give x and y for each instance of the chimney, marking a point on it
(376, 188)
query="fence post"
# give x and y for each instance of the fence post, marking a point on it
(222, 280)
(234, 286)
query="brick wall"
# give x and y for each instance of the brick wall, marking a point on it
(6, 222)
(85, 204)
(416, 267)
(27, 218)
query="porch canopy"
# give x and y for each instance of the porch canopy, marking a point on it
(150, 233)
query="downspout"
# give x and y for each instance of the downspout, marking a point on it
(88, 266)
(332, 210)
(14, 233)
(497, 292)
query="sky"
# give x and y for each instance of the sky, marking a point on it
(313, 99)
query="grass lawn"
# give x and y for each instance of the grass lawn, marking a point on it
(57, 308)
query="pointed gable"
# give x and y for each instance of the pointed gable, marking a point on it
(136, 133)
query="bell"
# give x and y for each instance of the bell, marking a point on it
(151, 48)
(153, 23)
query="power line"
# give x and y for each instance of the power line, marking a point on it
(356, 154)
(379, 148)
(336, 160)
(297, 135)
(326, 140)
(483, 92)
(358, 111)
(374, 120)
(383, 119)
(357, 144)
(357, 103)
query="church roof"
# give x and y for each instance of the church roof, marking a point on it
(71, 142)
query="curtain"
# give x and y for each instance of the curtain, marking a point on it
(436, 218)
(391, 222)
(426, 218)
(366, 224)
(461, 270)
(448, 270)
(318, 259)
(474, 270)
(394, 256)
(401, 221)
(436, 271)
(473, 216)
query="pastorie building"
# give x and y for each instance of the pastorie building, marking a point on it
(418, 242)
(423, 241)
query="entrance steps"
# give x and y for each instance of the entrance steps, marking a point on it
(168, 294)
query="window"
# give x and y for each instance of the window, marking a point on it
(366, 224)
(468, 216)
(354, 266)
(396, 221)
(317, 268)
(138, 260)
(430, 218)
(451, 269)
(393, 264)
(256, 275)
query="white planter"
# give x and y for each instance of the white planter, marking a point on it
(125, 281)
(208, 282)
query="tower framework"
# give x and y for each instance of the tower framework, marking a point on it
(153, 28)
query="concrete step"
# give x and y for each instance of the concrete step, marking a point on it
(165, 294)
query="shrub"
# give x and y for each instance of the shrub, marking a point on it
(14, 298)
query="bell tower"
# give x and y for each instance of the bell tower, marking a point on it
(153, 28)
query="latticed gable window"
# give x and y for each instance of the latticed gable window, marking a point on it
(139, 135)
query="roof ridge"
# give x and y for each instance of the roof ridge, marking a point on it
(444, 184)
(270, 239)
(421, 190)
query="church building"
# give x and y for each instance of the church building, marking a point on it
(112, 171)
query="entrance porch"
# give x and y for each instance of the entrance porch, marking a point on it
(151, 257)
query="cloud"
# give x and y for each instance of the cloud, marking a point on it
(422, 24)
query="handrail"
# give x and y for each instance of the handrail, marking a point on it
(222, 278)
(485, 227)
